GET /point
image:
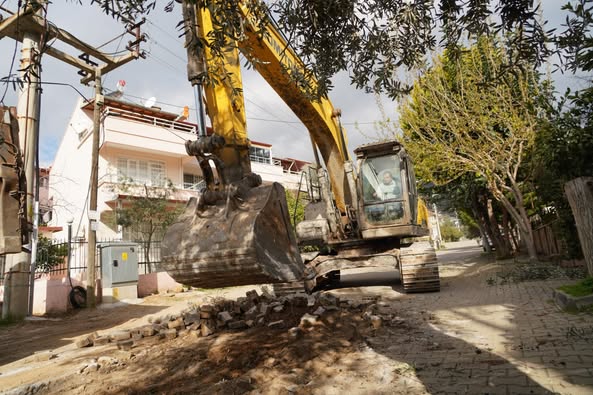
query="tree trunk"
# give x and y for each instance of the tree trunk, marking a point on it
(483, 224)
(502, 248)
(519, 214)
(579, 193)
(507, 231)
(147, 253)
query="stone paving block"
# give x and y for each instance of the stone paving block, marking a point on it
(101, 340)
(84, 342)
(547, 359)
(125, 345)
(148, 331)
(513, 380)
(525, 390)
(176, 324)
(120, 335)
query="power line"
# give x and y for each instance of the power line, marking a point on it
(168, 50)
(164, 31)
(164, 63)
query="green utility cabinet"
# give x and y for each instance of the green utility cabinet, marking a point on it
(119, 264)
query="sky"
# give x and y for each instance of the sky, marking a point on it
(163, 76)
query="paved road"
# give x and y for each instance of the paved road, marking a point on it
(473, 337)
(465, 252)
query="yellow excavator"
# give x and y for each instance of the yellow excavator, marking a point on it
(238, 231)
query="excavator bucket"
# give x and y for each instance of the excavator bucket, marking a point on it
(217, 247)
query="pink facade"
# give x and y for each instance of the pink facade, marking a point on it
(51, 292)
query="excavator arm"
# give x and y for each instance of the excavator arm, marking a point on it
(277, 63)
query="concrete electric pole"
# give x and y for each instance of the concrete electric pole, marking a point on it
(30, 26)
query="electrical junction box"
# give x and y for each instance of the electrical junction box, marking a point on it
(119, 264)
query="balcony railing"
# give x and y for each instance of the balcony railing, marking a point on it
(147, 119)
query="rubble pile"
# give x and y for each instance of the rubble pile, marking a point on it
(296, 313)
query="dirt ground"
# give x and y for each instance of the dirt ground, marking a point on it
(478, 335)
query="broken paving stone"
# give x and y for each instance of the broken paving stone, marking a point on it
(101, 341)
(125, 345)
(299, 300)
(251, 313)
(376, 321)
(276, 324)
(176, 324)
(311, 300)
(120, 335)
(295, 332)
(170, 333)
(225, 317)
(137, 336)
(124, 355)
(270, 362)
(104, 360)
(192, 318)
(92, 367)
(308, 320)
(206, 308)
(148, 331)
(320, 310)
(84, 342)
(264, 309)
(252, 296)
(249, 323)
(182, 332)
(278, 309)
(43, 356)
(239, 324)
(328, 301)
(195, 333)
(207, 328)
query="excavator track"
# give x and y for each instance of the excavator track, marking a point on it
(419, 268)
(291, 288)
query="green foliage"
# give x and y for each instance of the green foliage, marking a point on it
(565, 142)
(294, 204)
(49, 254)
(147, 210)
(582, 288)
(450, 232)
(470, 227)
(470, 117)
(373, 39)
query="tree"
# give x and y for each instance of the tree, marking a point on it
(296, 208)
(372, 39)
(147, 211)
(466, 116)
(450, 232)
(565, 141)
(49, 255)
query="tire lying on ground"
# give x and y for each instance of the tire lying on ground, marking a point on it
(77, 297)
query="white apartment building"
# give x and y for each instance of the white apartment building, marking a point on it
(140, 143)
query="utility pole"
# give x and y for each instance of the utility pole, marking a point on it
(438, 239)
(92, 246)
(21, 266)
(28, 25)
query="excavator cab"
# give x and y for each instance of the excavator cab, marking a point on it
(387, 187)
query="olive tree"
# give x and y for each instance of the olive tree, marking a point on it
(466, 116)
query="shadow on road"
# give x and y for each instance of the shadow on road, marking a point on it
(25, 338)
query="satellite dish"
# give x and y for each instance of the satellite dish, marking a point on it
(150, 102)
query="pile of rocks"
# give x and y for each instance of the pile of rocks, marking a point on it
(253, 310)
